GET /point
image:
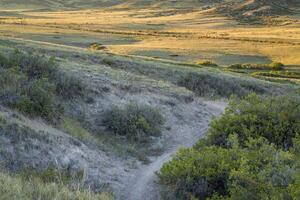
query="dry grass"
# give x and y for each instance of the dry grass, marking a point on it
(190, 35)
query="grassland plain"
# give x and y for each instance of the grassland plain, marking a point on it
(160, 55)
(166, 32)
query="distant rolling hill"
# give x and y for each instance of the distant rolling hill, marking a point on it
(56, 4)
(239, 9)
(257, 8)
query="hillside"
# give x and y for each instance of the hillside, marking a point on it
(252, 9)
(245, 8)
(98, 96)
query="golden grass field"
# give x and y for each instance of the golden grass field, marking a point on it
(182, 35)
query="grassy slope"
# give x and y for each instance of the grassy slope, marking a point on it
(150, 69)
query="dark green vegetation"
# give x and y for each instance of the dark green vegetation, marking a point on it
(279, 74)
(272, 66)
(219, 86)
(275, 72)
(250, 152)
(207, 63)
(136, 122)
(97, 47)
(275, 119)
(33, 84)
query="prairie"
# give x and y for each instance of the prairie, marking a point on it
(167, 33)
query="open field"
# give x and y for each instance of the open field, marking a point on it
(183, 35)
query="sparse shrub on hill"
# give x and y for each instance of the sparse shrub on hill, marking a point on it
(136, 122)
(68, 86)
(218, 86)
(35, 66)
(32, 84)
(38, 99)
(251, 152)
(3, 61)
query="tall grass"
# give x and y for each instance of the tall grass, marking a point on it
(17, 188)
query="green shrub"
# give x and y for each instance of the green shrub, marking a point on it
(136, 122)
(199, 173)
(257, 171)
(276, 66)
(264, 172)
(276, 119)
(37, 99)
(35, 66)
(108, 61)
(33, 84)
(68, 86)
(3, 61)
(207, 63)
(294, 189)
(251, 152)
(236, 66)
(218, 86)
(97, 47)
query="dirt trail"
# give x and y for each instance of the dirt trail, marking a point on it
(145, 185)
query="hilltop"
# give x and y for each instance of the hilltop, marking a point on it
(247, 8)
(258, 8)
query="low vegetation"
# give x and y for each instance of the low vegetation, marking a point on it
(213, 85)
(279, 74)
(271, 66)
(33, 84)
(97, 47)
(136, 122)
(42, 186)
(251, 151)
(207, 63)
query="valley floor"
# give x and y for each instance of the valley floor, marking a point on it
(173, 34)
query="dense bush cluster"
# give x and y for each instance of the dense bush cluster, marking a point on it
(251, 152)
(275, 119)
(218, 86)
(136, 122)
(271, 66)
(31, 83)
